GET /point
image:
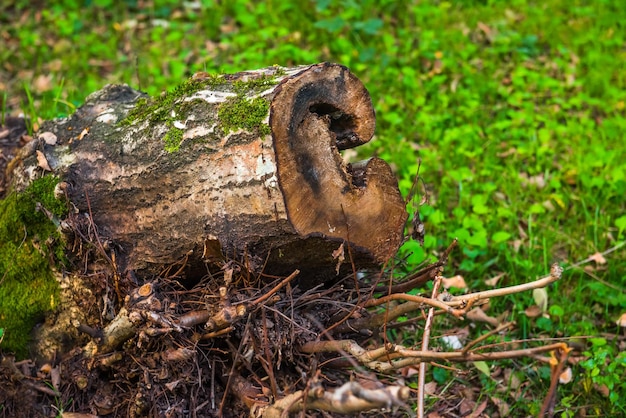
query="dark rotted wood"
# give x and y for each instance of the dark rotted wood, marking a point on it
(275, 195)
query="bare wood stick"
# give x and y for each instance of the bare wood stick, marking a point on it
(348, 399)
(275, 289)
(425, 341)
(415, 298)
(555, 274)
(408, 357)
(548, 404)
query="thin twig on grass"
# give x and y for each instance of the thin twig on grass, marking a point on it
(402, 356)
(555, 274)
(425, 341)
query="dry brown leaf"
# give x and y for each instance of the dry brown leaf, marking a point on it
(172, 385)
(602, 390)
(430, 388)
(494, 280)
(228, 275)
(46, 368)
(486, 30)
(478, 315)
(409, 371)
(55, 378)
(42, 162)
(502, 406)
(466, 407)
(42, 83)
(533, 311)
(511, 379)
(622, 321)
(566, 376)
(49, 138)
(456, 281)
(598, 258)
(479, 410)
(339, 255)
(83, 134)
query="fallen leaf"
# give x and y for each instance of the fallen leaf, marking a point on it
(483, 367)
(83, 133)
(430, 388)
(494, 280)
(455, 281)
(512, 380)
(502, 406)
(479, 410)
(55, 378)
(566, 376)
(486, 30)
(598, 258)
(49, 138)
(228, 275)
(42, 162)
(622, 320)
(409, 371)
(466, 407)
(42, 83)
(533, 311)
(603, 390)
(541, 298)
(452, 341)
(339, 255)
(478, 315)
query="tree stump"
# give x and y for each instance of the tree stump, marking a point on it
(243, 166)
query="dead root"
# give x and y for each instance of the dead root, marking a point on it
(226, 347)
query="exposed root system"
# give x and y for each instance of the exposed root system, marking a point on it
(234, 345)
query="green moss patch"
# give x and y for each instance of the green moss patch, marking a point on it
(172, 139)
(243, 113)
(29, 242)
(240, 112)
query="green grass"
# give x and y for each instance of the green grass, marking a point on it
(516, 110)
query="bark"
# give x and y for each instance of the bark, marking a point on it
(244, 166)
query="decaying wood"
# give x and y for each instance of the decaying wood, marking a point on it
(175, 180)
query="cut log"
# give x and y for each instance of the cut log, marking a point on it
(246, 163)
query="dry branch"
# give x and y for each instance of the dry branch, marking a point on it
(350, 398)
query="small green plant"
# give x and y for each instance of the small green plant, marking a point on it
(29, 110)
(4, 108)
(604, 368)
(59, 405)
